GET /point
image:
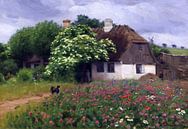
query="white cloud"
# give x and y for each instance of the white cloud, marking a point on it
(6, 30)
(166, 21)
(170, 39)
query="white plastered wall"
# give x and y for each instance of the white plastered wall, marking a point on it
(122, 71)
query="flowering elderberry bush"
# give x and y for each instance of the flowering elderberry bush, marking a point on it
(109, 106)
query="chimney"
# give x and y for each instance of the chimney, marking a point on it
(108, 25)
(66, 23)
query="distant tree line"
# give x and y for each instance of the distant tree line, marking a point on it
(164, 45)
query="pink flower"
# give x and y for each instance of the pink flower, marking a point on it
(30, 113)
(96, 122)
(51, 122)
(61, 120)
(164, 114)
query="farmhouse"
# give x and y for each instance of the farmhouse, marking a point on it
(35, 61)
(133, 58)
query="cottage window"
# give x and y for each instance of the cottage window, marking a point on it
(100, 67)
(139, 68)
(111, 68)
(140, 47)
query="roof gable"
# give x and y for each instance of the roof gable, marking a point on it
(122, 36)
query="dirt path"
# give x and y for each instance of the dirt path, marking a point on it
(8, 106)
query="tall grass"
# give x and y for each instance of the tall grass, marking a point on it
(177, 51)
(4, 119)
(17, 90)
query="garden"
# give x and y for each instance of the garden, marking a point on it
(113, 104)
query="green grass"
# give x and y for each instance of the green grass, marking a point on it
(176, 51)
(10, 91)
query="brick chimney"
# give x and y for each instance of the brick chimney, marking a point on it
(108, 25)
(66, 23)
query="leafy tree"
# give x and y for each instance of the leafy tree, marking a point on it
(4, 52)
(164, 45)
(3, 55)
(85, 20)
(157, 50)
(1, 47)
(8, 67)
(33, 40)
(44, 34)
(20, 44)
(75, 45)
(174, 46)
(182, 47)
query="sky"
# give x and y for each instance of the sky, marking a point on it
(164, 21)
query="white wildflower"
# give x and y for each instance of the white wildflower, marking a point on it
(121, 108)
(129, 119)
(183, 111)
(116, 124)
(111, 109)
(121, 120)
(145, 122)
(178, 109)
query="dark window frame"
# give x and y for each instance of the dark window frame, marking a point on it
(100, 67)
(111, 67)
(139, 68)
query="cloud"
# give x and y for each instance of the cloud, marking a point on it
(164, 20)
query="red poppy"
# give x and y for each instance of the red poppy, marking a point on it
(147, 108)
(125, 96)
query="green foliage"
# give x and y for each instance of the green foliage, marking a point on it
(25, 75)
(2, 79)
(8, 68)
(85, 20)
(176, 51)
(21, 44)
(157, 50)
(7, 65)
(38, 73)
(44, 34)
(74, 45)
(4, 52)
(33, 40)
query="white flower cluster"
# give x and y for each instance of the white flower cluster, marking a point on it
(180, 112)
(151, 97)
(129, 119)
(145, 122)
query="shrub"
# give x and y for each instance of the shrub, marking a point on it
(25, 75)
(8, 67)
(12, 80)
(2, 79)
(38, 73)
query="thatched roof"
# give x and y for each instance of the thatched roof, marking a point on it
(122, 36)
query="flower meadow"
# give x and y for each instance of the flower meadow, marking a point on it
(115, 104)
